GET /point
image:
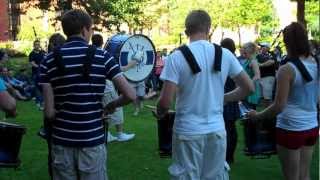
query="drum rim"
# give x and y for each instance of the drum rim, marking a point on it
(120, 48)
(11, 125)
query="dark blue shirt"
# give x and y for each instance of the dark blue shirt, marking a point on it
(36, 57)
(231, 110)
(78, 105)
(267, 70)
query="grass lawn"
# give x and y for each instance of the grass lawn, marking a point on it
(135, 160)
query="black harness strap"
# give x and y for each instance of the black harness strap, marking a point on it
(190, 59)
(58, 60)
(86, 64)
(217, 57)
(86, 67)
(91, 51)
(303, 70)
(193, 63)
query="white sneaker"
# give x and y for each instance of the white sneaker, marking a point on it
(111, 138)
(125, 137)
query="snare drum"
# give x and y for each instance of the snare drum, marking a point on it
(165, 126)
(139, 48)
(260, 138)
(10, 141)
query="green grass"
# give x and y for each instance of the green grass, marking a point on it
(135, 160)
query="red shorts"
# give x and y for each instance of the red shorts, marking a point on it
(297, 139)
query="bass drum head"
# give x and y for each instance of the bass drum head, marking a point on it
(138, 48)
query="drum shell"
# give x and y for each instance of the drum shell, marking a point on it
(260, 137)
(10, 138)
(165, 126)
(115, 43)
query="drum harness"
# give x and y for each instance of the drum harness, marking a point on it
(61, 69)
(186, 52)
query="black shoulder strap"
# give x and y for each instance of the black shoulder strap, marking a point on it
(58, 59)
(193, 63)
(91, 51)
(190, 59)
(304, 72)
(217, 57)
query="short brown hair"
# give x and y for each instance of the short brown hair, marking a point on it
(197, 21)
(55, 40)
(97, 40)
(228, 44)
(73, 21)
(295, 38)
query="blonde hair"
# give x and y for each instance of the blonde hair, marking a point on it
(250, 48)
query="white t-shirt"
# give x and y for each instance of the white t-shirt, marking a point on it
(199, 100)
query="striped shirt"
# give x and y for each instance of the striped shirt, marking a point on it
(78, 105)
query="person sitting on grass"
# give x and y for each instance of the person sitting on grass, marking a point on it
(7, 102)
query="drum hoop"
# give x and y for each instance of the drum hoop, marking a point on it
(154, 64)
(11, 125)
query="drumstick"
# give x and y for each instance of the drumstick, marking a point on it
(131, 47)
(154, 108)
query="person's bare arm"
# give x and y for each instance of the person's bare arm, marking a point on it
(48, 97)
(256, 70)
(244, 88)
(267, 63)
(8, 103)
(285, 77)
(127, 67)
(128, 94)
(166, 96)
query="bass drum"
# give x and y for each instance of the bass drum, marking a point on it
(138, 48)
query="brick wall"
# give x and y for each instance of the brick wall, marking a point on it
(4, 21)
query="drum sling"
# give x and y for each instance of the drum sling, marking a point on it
(86, 74)
(165, 124)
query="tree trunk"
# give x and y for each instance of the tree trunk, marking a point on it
(300, 12)
(222, 35)
(239, 35)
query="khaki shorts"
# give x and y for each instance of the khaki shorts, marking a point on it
(140, 88)
(87, 163)
(199, 157)
(115, 118)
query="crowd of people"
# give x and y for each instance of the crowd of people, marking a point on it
(82, 90)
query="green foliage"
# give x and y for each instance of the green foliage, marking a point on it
(105, 14)
(34, 25)
(16, 64)
(15, 49)
(312, 10)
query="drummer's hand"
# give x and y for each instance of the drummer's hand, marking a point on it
(159, 113)
(252, 115)
(109, 109)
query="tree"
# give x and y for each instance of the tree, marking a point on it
(105, 13)
(258, 13)
(313, 18)
(301, 10)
